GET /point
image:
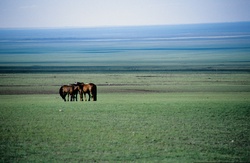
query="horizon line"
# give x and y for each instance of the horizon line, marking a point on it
(117, 26)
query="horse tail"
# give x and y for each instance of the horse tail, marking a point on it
(61, 93)
(94, 92)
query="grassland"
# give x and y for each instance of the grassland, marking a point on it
(139, 117)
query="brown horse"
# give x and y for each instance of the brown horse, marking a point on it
(88, 88)
(71, 90)
(77, 89)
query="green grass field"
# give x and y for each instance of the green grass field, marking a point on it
(172, 117)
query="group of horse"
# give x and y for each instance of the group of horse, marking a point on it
(72, 90)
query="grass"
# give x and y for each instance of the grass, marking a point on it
(125, 83)
(160, 122)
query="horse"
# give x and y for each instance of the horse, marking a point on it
(77, 89)
(88, 88)
(71, 90)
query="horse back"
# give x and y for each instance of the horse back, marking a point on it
(92, 86)
(88, 87)
(68, 88)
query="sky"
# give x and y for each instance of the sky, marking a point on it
(95, 13)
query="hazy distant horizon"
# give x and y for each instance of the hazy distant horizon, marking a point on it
(109, 13)
(204, 46)
(121, 26)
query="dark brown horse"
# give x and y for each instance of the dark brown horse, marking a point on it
(88, 88)
(77, 89)
(71, 90)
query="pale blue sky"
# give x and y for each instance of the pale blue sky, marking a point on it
(89, 13)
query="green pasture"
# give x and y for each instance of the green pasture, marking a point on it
(174, 117)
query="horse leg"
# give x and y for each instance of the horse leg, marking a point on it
(81, 97)
(89, 96)
(72, 97)
(64, 97)
(85, 98)
(92, 96)
(93, 99)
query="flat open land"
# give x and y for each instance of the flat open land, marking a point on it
(165, 93)
(138, 117)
